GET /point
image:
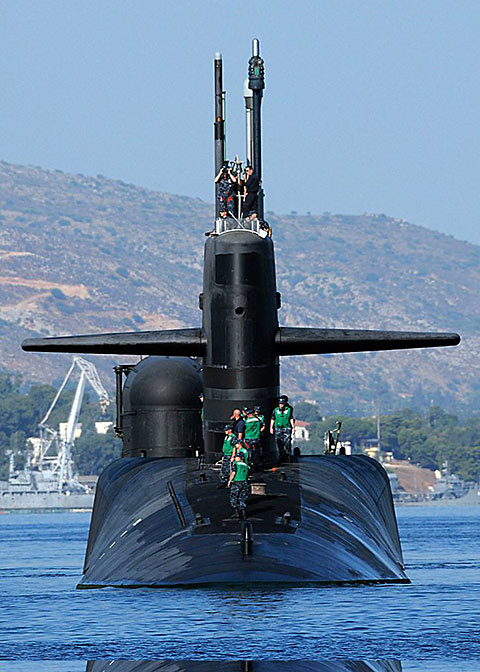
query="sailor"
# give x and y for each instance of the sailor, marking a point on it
(219, 226)
(253, 429)
(238, 487)
(241, 449)
(244, 453)
(265, 226)
(282, 426)
(228, 446)
(226, 181)
(260, 416)
(238, 423)
(252, 185)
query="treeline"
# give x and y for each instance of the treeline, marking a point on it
(21, 410)
(426, 439)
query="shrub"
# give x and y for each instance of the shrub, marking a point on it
(58, 294)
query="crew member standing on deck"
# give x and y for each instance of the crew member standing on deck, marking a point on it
(238, 423)
(228, 446)
(252, 185)
(242, 450)
(226, 181)
(253, 428)
(282, 425)
(238, 487)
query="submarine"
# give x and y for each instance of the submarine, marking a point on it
(159, 517)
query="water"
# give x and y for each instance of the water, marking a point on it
(431, 625)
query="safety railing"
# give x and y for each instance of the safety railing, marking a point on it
(230, 223)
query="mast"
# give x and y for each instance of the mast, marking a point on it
(256, 82)
(219, 123)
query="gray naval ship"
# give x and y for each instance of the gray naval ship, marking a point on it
(159, 518)
(48, 481)
(39, 490)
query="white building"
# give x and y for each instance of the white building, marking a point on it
(102, 427)
(301, 431)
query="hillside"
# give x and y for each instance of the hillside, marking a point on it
(87, 254)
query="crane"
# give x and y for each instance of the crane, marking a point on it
(53, 451)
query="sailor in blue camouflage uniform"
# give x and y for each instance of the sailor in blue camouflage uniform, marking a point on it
(282, 425)
(238, 485)
(228, 446)
(253, 431)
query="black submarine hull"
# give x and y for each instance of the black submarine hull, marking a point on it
(244, 666)
(164, 522)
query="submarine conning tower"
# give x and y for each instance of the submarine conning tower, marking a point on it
(239, 300)
(240, 304)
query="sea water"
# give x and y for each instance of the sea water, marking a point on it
(431, 625)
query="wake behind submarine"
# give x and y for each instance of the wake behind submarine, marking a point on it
(159, 518)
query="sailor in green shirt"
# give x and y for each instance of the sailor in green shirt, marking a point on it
(238, 485)
(253, 429)
(260, 416)
(242, 450)
(228, 446)
(282, 425)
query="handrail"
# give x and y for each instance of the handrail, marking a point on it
(231, 223)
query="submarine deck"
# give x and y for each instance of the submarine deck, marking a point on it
(164, 521)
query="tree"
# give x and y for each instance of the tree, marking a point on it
(93, 452)
(307, 412)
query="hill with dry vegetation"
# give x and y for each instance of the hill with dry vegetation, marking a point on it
(88, 254)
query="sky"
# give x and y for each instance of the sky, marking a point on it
(370, 105)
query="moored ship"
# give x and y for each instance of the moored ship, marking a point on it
(48, 480)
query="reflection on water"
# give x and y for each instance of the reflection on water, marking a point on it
(244, 666)
(259, 666)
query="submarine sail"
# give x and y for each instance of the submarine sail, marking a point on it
(160, 517)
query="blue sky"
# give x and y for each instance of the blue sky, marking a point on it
(370, 106)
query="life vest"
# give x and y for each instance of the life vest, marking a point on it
(281, 419)
(253, 426)
(241, 472)
(228, 443)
